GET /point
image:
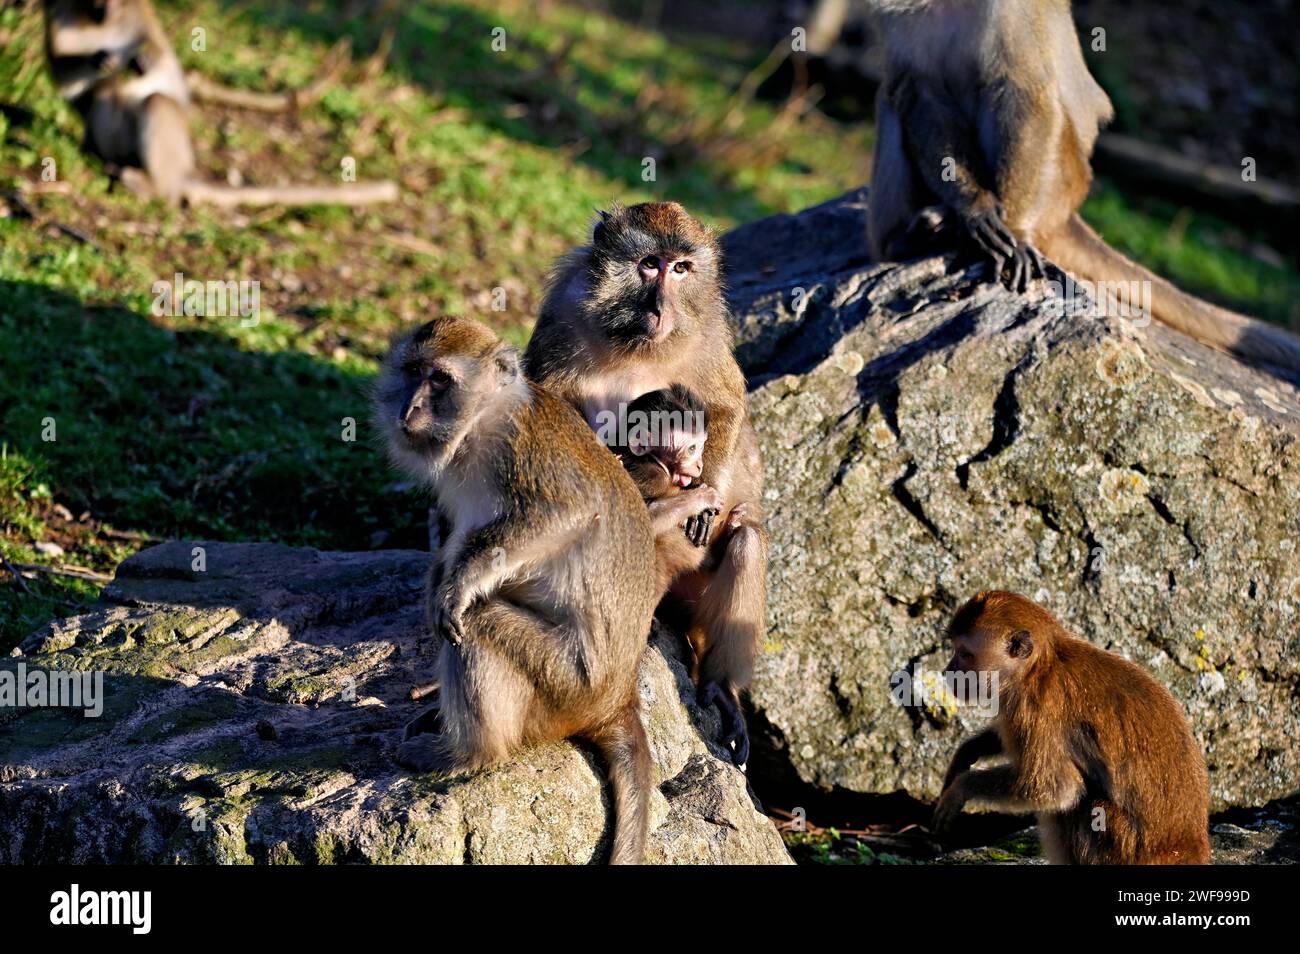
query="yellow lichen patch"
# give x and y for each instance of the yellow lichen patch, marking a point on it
(850, 362)
(1121, 364)
(879, 431)
(1123, 488)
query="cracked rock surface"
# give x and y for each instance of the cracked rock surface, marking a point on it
(251, 711)
(928, 435)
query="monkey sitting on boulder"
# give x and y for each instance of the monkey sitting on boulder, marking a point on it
(544, 586)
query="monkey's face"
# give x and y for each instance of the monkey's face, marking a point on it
(653, 274)
(666, 432)
(679, 455)
(983, 652)
(437, 385)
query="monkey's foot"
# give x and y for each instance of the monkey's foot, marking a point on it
(425, 753)
(735, 736)
(426, 722)
(1026, 264)
(738, 516)
(989, 231)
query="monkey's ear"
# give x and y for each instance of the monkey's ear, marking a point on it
(1020, 644)
(507, 364)
(598, 229)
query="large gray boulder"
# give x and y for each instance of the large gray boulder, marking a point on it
(928, 435)
(251, 710)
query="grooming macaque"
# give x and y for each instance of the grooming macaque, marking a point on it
(641, 310)
(112, 61)
(544, 587)
(1087, 739)
(988, 111)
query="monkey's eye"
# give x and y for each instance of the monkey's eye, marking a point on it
(411, 369)
(681, 268)
(440, 380)
(650, 263)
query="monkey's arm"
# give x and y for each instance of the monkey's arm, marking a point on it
(987, 743)
(948, 160)
(997, 785)
(86, 39)
(493, 554)
(1029, 126)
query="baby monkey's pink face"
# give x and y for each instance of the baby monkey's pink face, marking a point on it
(680, 453)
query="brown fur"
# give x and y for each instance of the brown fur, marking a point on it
(1088, 738)
(591, 347)
(988, 109)
(543, 588)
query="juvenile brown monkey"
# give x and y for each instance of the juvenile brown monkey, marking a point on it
(112, 61)
(988, 111)
(544, 587)
(641, 310)
(1090, 740)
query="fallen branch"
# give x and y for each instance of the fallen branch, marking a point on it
(1185, 179)
(76, 572)
(18, 577)
(207, 91)
(427, 689)
(351, 194)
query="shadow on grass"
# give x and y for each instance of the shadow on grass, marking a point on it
(183, 434)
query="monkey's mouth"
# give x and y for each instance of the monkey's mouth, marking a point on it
(422, 439)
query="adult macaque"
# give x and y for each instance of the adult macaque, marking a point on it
(544, 587)
(641, 310)
(988, 111)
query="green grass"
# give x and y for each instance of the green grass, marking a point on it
(200, 427)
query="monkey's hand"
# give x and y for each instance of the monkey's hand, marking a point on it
(446, 612)
(700, 524)
(430, 720)
(950, 805)
(425, 753)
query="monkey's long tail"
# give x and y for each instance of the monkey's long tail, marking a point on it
(1080, 250)
(623, 744)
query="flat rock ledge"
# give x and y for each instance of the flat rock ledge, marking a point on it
(251, 710)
